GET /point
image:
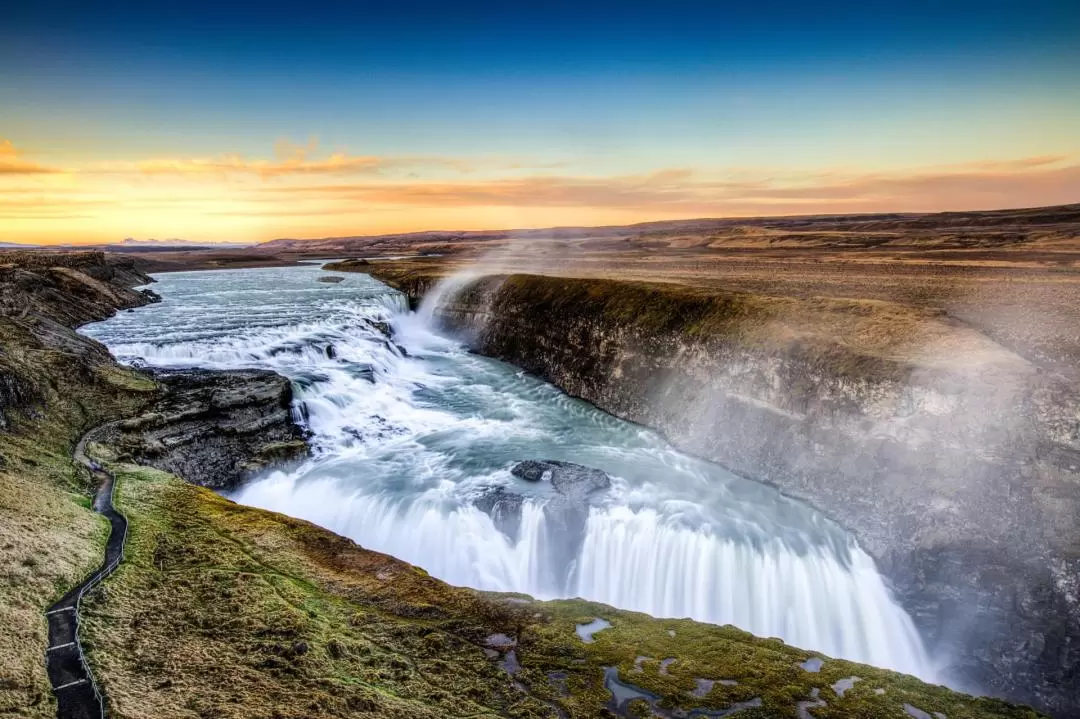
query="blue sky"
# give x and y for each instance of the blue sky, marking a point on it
(783, 91)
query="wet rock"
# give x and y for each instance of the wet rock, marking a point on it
(566, 513)
(364, 372)
(530, 470)
(213, 428)
(504, 508)
(568, 479)
(331, 279)
(331, 353)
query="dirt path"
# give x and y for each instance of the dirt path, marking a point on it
(77, 694)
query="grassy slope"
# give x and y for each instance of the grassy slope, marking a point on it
(49, 537)
(222, 610)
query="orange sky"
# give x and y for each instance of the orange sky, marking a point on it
(299, 190)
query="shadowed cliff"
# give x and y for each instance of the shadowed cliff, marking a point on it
(952, 459)
(226, 610)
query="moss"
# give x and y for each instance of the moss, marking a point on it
(310, 624)
(49, 536)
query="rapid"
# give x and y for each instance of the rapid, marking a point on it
(408, 433)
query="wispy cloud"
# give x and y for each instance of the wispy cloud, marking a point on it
(1043, 180)
(290, 159)
(12, 162)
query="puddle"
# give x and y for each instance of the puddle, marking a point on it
(918, 713)
(879, 691)
(558, 680)
(500, 641)
(843, 685)
(665, 663)
(586, 631)
(623, 694)
(728, 683)
(510, 663)
(803, 708)
(638, 669)
(813, 664)
(671, 632)
(704, 686)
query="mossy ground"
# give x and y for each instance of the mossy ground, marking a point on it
(49, 536)
(221, 610)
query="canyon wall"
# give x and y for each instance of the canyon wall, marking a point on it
(953, 461)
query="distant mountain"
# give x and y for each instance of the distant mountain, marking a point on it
(173, 242)
(452, 240)
(18, 246)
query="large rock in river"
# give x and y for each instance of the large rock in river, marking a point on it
(214, 428)
(566, 512)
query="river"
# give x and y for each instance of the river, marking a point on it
(408, 434)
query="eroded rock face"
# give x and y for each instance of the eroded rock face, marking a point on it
(566, 511)
(43, 297)
(958, 469)
(214, 428)
(70, 288)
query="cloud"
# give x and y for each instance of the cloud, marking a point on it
(289, 159)
(1022, 182)
(12, 163)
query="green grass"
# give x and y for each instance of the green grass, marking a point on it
(50, 538)
(222, 610)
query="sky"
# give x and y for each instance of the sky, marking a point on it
(242, 122)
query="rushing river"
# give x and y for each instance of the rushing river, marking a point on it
(405, 442)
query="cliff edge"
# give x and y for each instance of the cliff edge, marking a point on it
(953, 460)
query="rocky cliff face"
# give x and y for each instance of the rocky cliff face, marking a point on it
(954, 462)
(214, 429)
(43, 297)
(211, 428)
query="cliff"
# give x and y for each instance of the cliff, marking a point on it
(229, 611)
(953, 460)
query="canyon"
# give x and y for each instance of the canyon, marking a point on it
(316, 624)
(952, 459)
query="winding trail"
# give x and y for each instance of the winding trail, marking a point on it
(77, 694)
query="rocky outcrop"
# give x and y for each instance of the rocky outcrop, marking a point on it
(43, 297)
(71, 288)
(955, 462)
(354, 265)
(569, 490)
(213, 428)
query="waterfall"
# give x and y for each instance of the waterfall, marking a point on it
(405, 442)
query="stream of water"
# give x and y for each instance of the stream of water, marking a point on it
(409, 433)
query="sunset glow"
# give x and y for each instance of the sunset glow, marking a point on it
(136, 122)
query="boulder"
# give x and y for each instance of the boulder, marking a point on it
(565, 513)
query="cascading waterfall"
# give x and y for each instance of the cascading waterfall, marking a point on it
(409, 433)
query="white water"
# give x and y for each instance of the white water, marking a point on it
(399, 461)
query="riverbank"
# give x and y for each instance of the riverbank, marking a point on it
(228, 610)
(905, 425)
